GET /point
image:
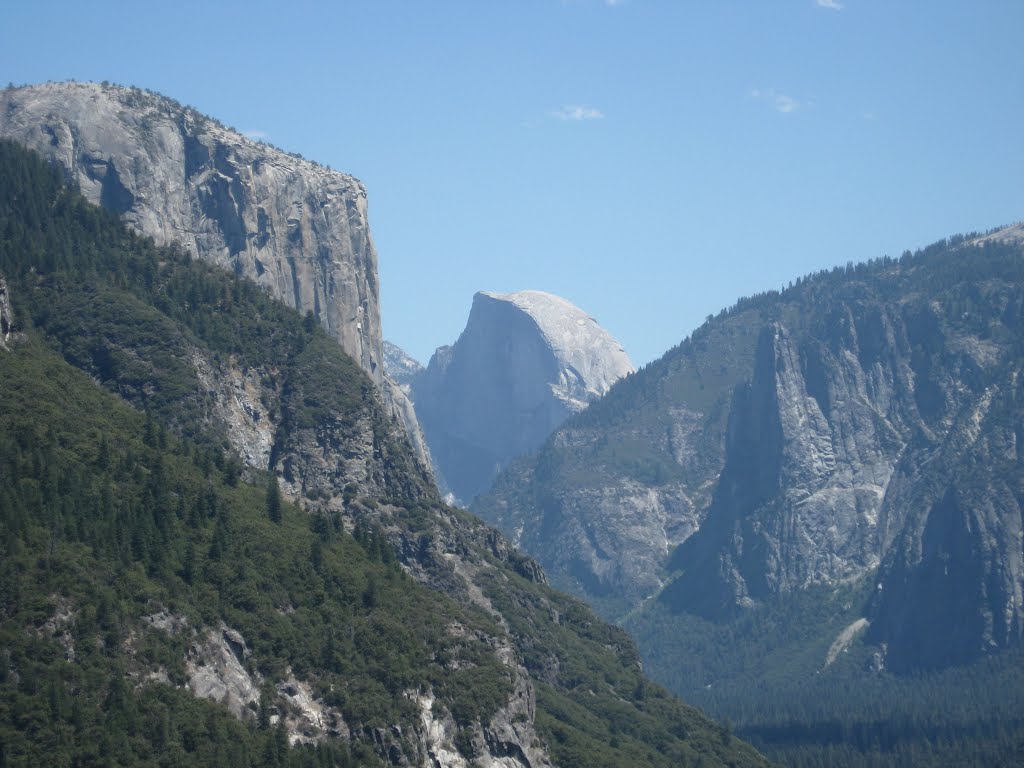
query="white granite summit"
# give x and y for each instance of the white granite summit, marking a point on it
(590, 359)
(525, 362)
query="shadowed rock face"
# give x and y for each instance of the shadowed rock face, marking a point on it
(883, 441)
(295, 227)
(809, 455)
(951, 586)
(523, 364)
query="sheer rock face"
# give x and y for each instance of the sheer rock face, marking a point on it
(863, 426)
(812, 443)
(523, 364)
(602, 533)
(295, 227)
(396, 398)
(952, 582)
(400, 371)
(873, 446)
(614, 491)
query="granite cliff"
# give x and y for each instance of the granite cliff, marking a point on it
(615, 489)
(178, 176)
(874, 438)
(524, 363)
(840, 430)
(293, 226)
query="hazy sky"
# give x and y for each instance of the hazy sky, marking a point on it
(650, 160)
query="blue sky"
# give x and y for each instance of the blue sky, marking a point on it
(650, 160)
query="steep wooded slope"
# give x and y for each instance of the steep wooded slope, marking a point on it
(148, 557)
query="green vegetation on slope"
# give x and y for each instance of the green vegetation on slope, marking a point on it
(131, 314)
(121, 504)
(766, 672)
(104, 528)
(104, 506)
(594, 704)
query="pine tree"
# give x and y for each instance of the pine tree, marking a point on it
(273, 499)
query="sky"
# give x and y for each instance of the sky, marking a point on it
(649, 160)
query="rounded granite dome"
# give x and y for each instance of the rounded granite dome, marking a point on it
(591, 359)
(524, 363)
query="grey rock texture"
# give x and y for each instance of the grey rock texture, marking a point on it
(400, 367)
(60, 625)
(858, 454)
(508, 740)
(961, 542)
(293, 226)
(861, 425)
(799, 499)
(523, 364)
(511, 736)
(170, 623)
(606, 537)
(216, 669)
(215, 666)
(307, 718)
(396, 398)
(618, 487)
(177, 176)
(400, 371)
(7, 325)
(339, 465)
(240, 400)
(806, 474)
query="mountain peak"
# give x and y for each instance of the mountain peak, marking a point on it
(576, 339)
(525, 362)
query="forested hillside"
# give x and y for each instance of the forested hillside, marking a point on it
(809, 512)
(186, 585)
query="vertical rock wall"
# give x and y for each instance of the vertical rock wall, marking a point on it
(293, 226)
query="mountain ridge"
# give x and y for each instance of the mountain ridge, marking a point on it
(838, 453)
(180, 176)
